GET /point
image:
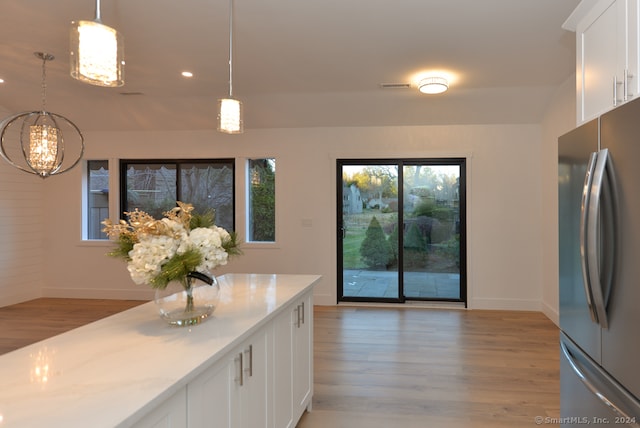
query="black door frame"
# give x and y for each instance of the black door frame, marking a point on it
(400, 163)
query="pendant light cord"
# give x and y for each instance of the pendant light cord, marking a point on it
(44, 84)
(230, 48)
(98, 15)
(44, 57)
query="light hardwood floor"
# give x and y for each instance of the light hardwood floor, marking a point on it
(386, 368)
(35, 320)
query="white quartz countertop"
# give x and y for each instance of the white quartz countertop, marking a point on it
(111, 372)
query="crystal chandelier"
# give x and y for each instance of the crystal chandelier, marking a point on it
(230, 109)
(97, 52)
(34, 142)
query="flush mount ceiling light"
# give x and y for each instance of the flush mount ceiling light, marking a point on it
(230, 109)
(97, 52)
(433, 85)
(36, 142)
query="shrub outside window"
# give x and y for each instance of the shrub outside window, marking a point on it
(261, 223)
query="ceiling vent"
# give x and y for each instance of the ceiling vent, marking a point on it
(395, 85)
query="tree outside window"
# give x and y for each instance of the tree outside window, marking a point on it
(262, 200)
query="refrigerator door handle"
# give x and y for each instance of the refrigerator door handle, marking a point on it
(625, 399)
(600, 235)
(584, 223)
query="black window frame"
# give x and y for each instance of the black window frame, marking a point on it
(124, 163)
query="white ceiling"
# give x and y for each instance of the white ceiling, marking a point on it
(297, 63)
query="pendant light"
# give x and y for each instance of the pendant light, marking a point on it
(38, 136)
(97, 52)
(230, 109)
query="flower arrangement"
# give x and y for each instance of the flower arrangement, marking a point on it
(177, 247)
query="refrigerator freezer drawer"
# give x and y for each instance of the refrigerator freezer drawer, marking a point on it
(589, 395)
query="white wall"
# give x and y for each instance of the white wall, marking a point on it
(21, 232)
(504, 193)
(559, 119)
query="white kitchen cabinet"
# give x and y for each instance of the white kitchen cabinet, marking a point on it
(172, 413)
(293, 362)
(134, 370)
(232, 393)
(249, 392)
(282, 384)
(606, 56)
(302, 355)
(210, 396)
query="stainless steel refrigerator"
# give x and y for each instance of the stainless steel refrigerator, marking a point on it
(599, 224)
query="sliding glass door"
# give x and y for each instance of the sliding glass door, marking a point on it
(401, 233)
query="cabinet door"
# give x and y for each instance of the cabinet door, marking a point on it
(303, 356)
(210, 396)
(252, 385)
(282, 385)
(233, 392)
(172, 413)
(599, 50)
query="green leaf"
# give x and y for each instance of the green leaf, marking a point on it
(124, 244)
(177, 268)
(202, 220)
(232, 245)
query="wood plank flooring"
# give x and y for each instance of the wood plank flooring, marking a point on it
(29, 322)
(382, 368)
(386, 368)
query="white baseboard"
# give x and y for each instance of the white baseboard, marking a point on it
(505, 304)
(551, 313)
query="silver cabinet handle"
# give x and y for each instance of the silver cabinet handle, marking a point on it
(238, 364)
(627, 77)
(302, 308)
(615, 91)
(625, 92)
(249, 367)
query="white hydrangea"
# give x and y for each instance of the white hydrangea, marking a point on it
(148, 256)
(179, 233)
(208, 240)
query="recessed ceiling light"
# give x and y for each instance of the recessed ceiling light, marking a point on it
(433, 85)
(187, 74)
(1, 80)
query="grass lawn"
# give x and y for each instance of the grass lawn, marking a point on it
(356, 228)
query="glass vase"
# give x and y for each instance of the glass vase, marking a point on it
(187, 302)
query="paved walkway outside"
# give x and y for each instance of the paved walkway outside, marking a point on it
(365, 283)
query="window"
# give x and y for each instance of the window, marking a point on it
(154, 186)
(97, 201)
(261, 222)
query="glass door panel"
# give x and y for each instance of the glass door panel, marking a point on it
(369, 222)
(431, 227)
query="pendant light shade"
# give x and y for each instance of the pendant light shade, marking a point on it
(97, 53)
(230, 109)
(36, 142)
(230, 116)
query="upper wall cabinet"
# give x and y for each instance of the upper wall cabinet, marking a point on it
(607, 55)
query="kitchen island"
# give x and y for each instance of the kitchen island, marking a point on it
(133, 369)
